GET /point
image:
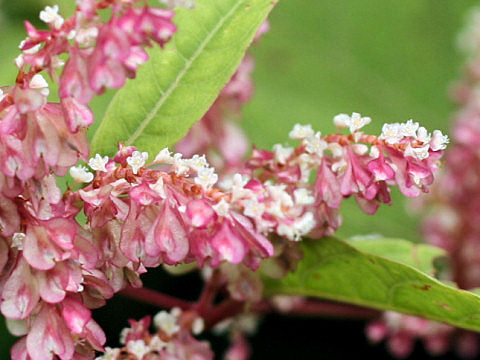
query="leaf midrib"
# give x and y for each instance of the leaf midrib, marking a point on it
(174, 84)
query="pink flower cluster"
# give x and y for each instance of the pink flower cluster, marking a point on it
(173, 339)
(359, 165)
(171, 215)
(48, 278)
(401, 332)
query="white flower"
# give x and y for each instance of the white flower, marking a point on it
(198, 326)
(374, 152)
(300, 132)
(423, 135)
(222, 208)
(17, 240)
(19, 61)
(339, 166)
(189, 4)
(86, 37)
(166, 322)
(159, 188)
(123, 335)
(237, 187)
(303, 197)
(303, 225)
(391, 133)
(336, 149)
(285, 230)
(197, 162)
(81, 174)
(253, 208)
(420, 153)
(110, 354)
(282, 153)
(356, 122)
(157, 344)
(164, 157)
(409, 128)
(50, 16)
(206, 178)
(315, 144)
(278, 193)
(439, 141)
(137, 160)
(98, 163)
(360, 149)
(138, 348)
(299, 228)
(180, 165)
(340, 120)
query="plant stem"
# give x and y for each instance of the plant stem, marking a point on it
(155, 298)
(208, 294)
(228, 308)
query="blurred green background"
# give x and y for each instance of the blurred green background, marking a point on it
(390, 60)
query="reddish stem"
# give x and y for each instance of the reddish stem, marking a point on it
(208, 294)
(155, 298)
(228, 308)
(222, 311)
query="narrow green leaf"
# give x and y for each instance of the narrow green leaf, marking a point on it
(332, 269)
(178, 84)
(420, 256)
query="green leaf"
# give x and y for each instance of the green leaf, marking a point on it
(419, 256)
(178, 84)
(332, 269)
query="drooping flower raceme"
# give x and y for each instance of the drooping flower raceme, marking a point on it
(359, 165)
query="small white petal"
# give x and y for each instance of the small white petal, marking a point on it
(98, 163)
(300, 132)
(81, 174)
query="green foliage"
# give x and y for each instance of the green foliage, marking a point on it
(178, 84)
(419, 256)
(332, 269)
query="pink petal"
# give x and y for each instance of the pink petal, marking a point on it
(20, 293)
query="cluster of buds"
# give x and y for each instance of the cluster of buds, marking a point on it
(173, 339)
(48, 262)
(452, 221)
(100, 55)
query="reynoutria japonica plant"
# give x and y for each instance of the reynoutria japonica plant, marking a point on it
(170, 180)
